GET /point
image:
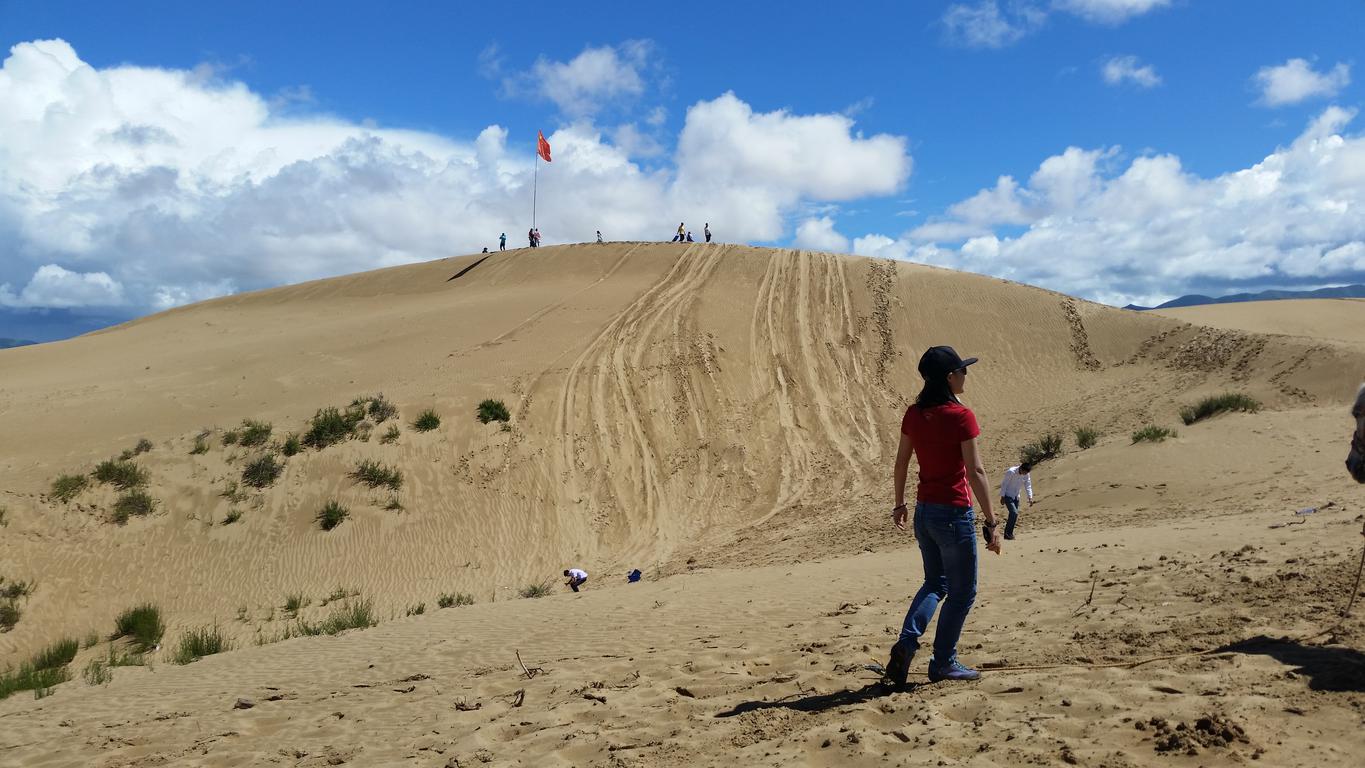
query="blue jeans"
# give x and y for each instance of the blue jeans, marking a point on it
(947, 544)
(1012, 506)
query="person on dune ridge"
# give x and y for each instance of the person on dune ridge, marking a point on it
(941, 433)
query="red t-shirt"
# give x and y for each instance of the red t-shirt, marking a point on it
(938, 434)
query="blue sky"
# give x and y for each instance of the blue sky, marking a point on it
(884, 130)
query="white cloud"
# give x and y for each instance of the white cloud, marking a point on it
(1151, 230)
(819, 235)
(1295, 80)
(586, 83)
(1120, 69)
(1109, 11)
(150, 187)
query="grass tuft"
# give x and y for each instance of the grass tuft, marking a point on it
(1086, 437)
(493, 410)
(1049, 446)
(295, 603)
(454, 599)
(201, 445)
(390, 436)
(16, 589)
(426, 421)
(97, 673)
(135, 502)
(1152, 434)
(1210, 406)
(201, 642)
(232, 516)
(381, 410)
(417, 610)
(46, 669)
(262, 472)
(142, 624)
(120, 474)
(231, 437)
(59, 654)
(331, 515)
(255, 433)
(358, 614)
(67, 487)
(374, 474)
(394, 504)
(330, 426)
(542, 589)
(10, 613)
(292, 445)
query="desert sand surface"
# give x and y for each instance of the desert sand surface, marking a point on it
(1341, 320)
(723, 418)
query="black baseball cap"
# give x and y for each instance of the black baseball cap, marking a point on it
(937, 362)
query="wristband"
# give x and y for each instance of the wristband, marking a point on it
(899, 507)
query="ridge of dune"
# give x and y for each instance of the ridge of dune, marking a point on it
(1338, 320)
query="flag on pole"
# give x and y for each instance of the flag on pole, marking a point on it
(542, 147)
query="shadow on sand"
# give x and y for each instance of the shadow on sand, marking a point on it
(819, 702)
(1327, 668)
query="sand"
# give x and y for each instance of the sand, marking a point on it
(1340, 320)
(722, 418)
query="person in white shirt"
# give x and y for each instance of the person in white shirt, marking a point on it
(576, 577)
(1016, 479)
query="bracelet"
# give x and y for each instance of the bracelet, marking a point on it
(899, 507)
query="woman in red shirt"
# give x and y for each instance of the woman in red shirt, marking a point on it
(941, 432)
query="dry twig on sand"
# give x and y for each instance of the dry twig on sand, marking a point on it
(1094, 577)
(530, 672)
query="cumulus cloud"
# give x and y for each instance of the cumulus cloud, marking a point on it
(993, 24)
(1085, 225)
(1296, 80)
(819, 235)
(1121, 69)
(586, 83)
(148, 188)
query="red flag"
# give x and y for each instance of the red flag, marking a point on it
(542, 147)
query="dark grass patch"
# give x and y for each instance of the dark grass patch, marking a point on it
(201, 446)
(394, 505)
(330, 426)
(295, 603)
(542, 589)
(123, 475)
(142, 624)
(1211, 406)
(231, 437)
(1152, 434)
(233, 493)
(255, 433)
(291, 445)
(16, 589)
(232, 516)
(133, 503)
(416, 610)
(426, 421)
(10, 613)
(1049, 446)
(262, 472)
(27, 678)
(331, 515)
(374, 474)
(493, 410)
(97, 673)
(1086, 437)
(142, 446)
(67, 487)
(390, 435)
(381, 410)
(339, 594)
(356, 614)
(454, 599)
(59, 654)
(92, 639)
(201, 642)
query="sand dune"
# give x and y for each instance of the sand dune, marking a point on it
(722, 417)
(1340, 320)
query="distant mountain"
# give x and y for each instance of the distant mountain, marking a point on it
(7, 343)
(1194, 300)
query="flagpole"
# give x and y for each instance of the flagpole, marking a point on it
(535, 183)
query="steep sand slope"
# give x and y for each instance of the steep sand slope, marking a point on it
(1340, 320)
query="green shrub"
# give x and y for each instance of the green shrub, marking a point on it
(255, 433)
(537, 590)
(198, 643)
(201, 445)
(358, 614)
(1209, 406)
(230, 437)
(122, 659)
(120, 474)
(262, 472)
(1086, 437)
(135, 502)
(292, 445)
(232, 516)
(374, 474)
(1152, 434)
(10, 613)
(27, 678)
(426, 421)
(59, 654)
(67, 487)
(295, 603)
(330, 426)
(417, 610)
(394, 504)
(390, 436)
(92, 639)
(331, 515)
(16, 589)
(454, 599)
(382, 410)
(493, 410)
(97, 673)
(1049, 446)
(142, 624)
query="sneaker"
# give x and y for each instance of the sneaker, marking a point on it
(1009, 537)
(898, 668)
(954, 671)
